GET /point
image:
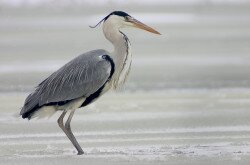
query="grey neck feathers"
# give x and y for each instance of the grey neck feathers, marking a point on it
(121, 55)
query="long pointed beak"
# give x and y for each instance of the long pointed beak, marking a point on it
(141, 25)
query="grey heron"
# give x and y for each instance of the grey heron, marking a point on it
(85, 78)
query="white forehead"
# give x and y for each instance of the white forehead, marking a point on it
(116, 19)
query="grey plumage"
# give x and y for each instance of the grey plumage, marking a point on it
(85, 78)
(78, 78)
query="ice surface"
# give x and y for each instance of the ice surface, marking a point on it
(135, 128)
(187, 100)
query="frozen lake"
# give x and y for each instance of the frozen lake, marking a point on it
(187, 100)
(171, 126)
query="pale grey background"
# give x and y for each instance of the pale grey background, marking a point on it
(187, 100)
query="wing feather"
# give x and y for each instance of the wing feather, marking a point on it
(81, 77)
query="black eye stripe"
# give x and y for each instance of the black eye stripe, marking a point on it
(126, 18)
(118, 13)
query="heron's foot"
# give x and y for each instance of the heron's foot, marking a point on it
(80, 153)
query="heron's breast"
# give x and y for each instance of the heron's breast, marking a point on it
(123, 72)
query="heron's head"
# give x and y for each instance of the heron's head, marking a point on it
(120, 19)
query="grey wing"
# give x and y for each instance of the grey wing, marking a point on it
(81, 77)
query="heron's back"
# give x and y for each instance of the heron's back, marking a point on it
(81, 77)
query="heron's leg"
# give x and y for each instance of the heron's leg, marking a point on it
(67, 130)
(71, 135)
(60, 121)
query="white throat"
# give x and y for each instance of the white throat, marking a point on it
(121, 55)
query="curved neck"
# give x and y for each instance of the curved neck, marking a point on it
(121, 54)
(116, 37)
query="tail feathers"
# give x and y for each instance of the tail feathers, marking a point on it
(40, 112)
(30, 106)
(32, 109)
(26, 113)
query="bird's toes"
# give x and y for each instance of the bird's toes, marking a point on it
(80, 153)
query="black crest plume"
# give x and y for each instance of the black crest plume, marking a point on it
(118, 13)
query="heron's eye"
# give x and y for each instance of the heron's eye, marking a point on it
(126, 18)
